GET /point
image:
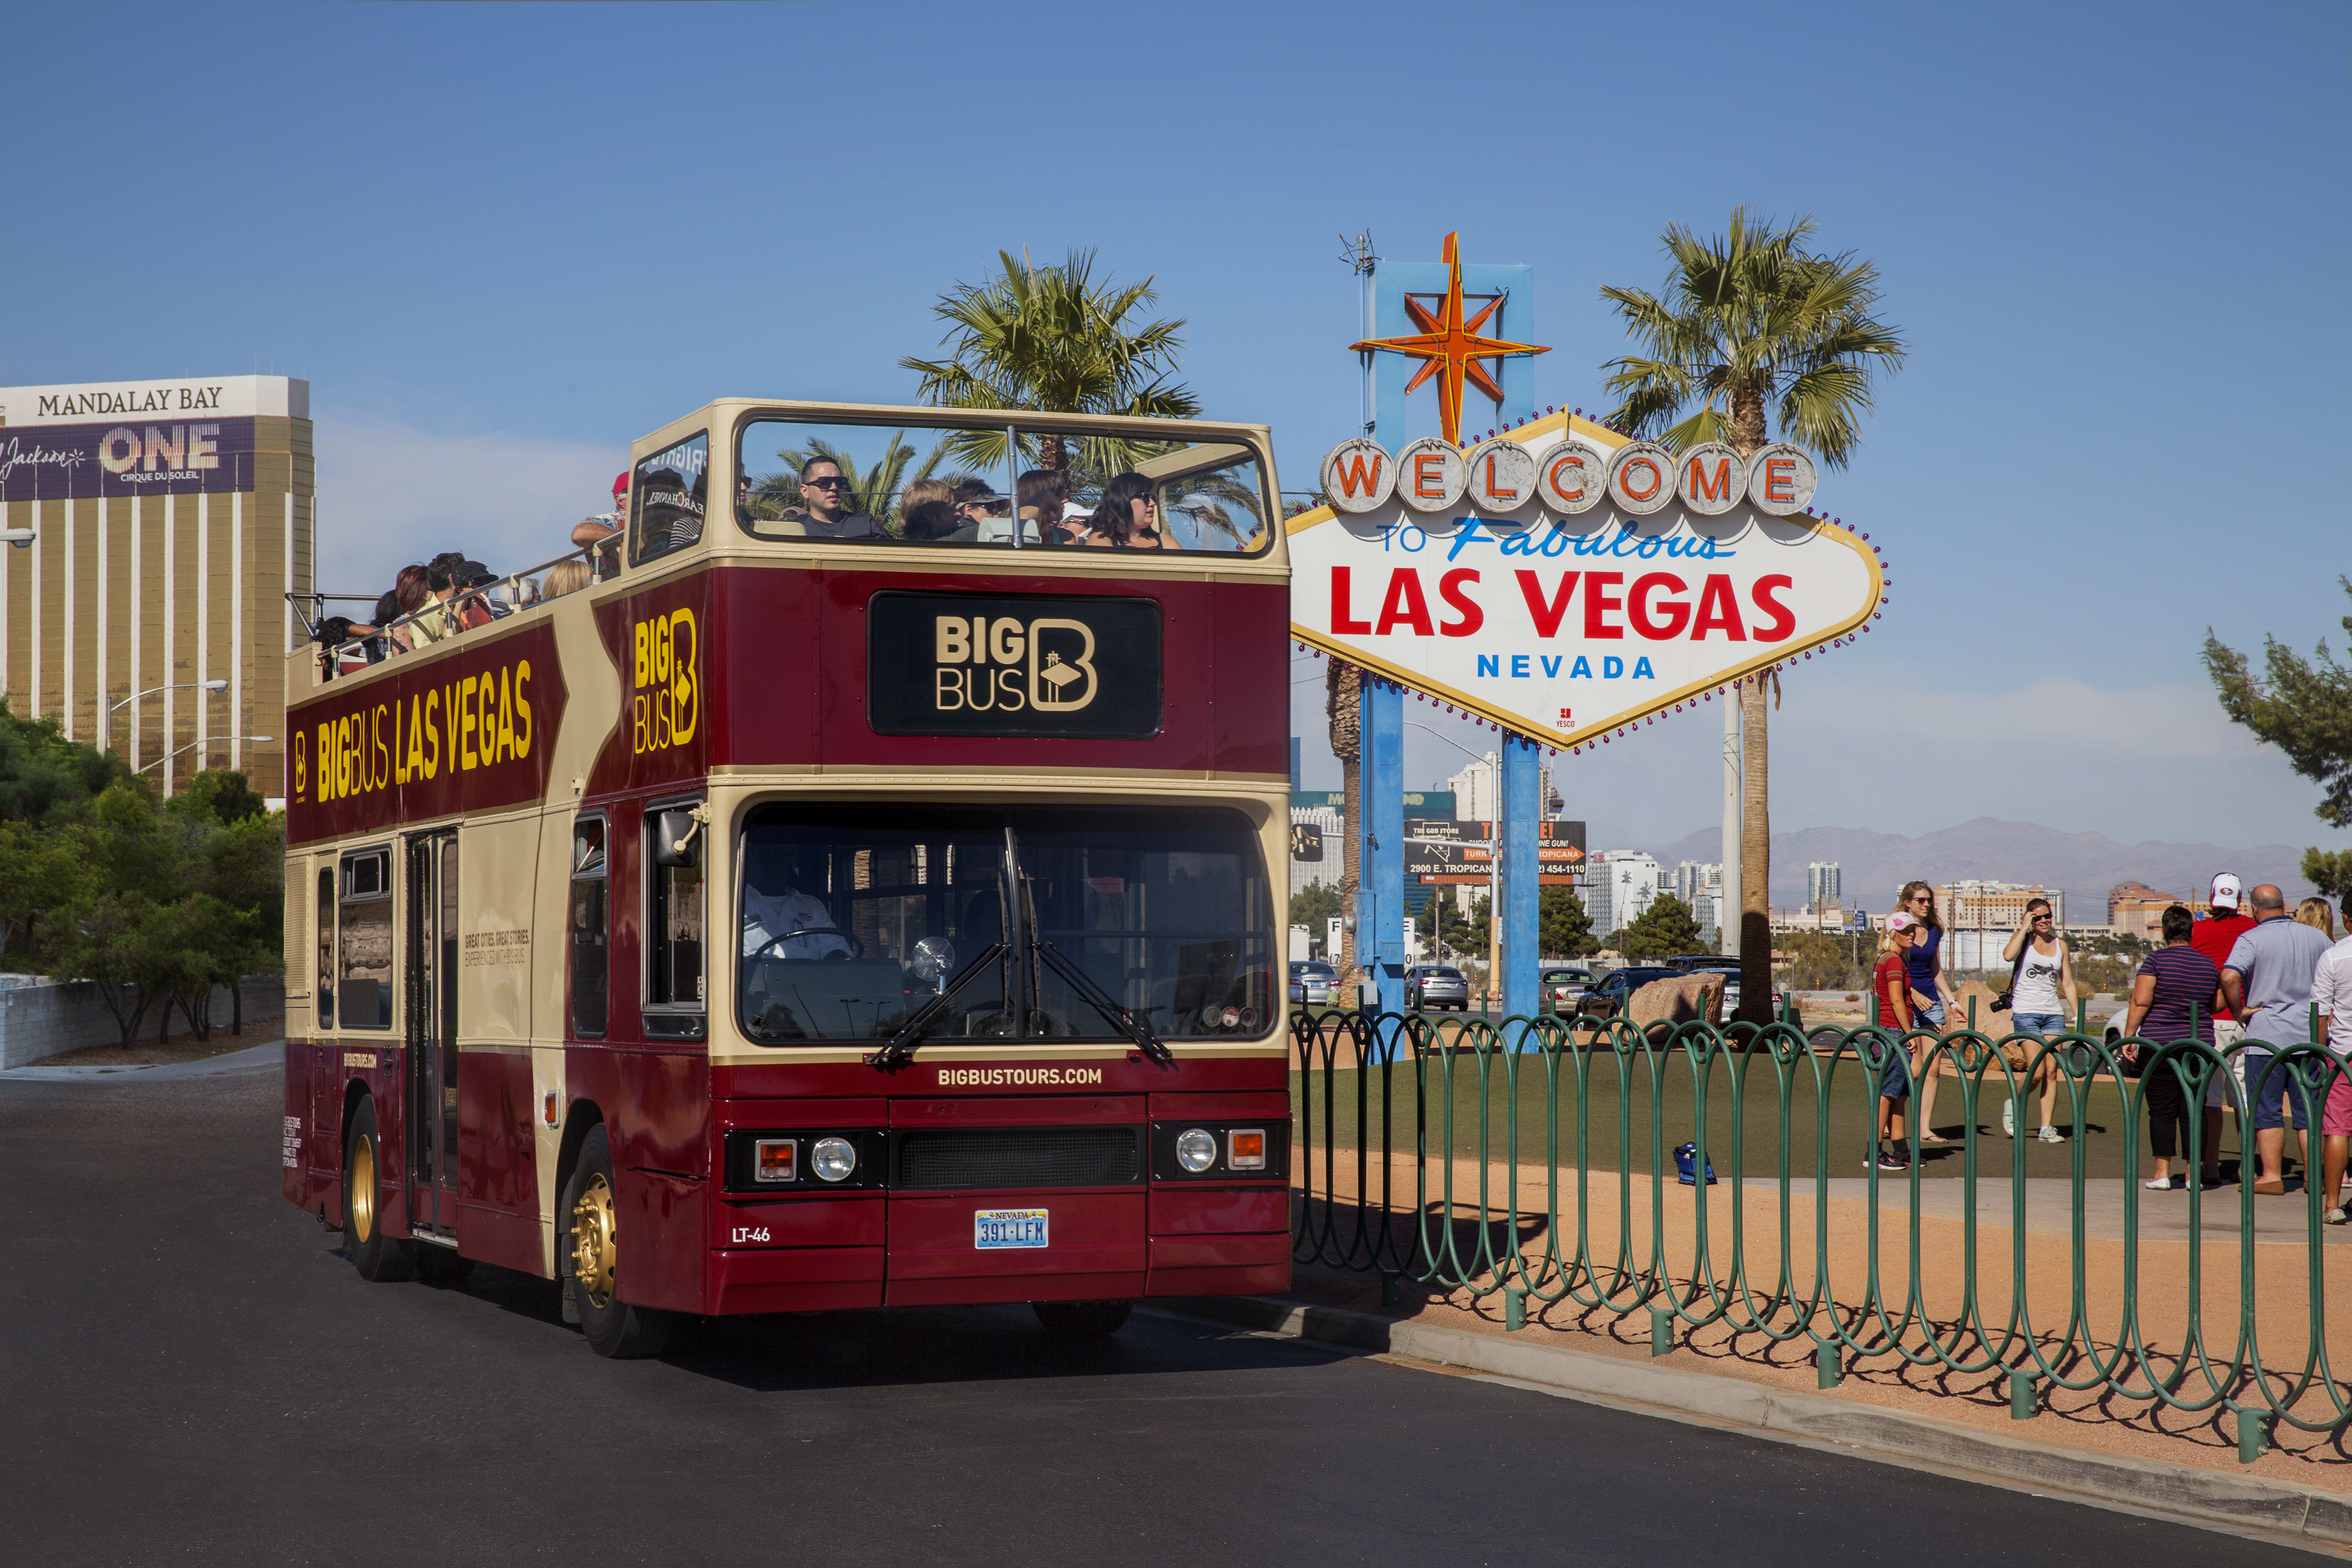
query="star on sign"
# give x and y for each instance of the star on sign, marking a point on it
(1451, 346)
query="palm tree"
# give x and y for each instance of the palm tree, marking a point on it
(1747, 317)
(1051, 339)
(1343, 688)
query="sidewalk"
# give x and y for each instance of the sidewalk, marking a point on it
(267, 1056)
(1751, 1266)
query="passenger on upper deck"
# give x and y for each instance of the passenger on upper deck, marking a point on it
(565, 576)
(982, 511)
(777, 914)
(1129, 518)
(823, 512)
(928, 507)
(606, 526)
(408, 595)
(1044, 495)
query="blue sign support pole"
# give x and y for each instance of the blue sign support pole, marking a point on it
(1520, 870)
(1379, 903)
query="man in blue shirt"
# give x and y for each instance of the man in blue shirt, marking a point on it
(2267, 982)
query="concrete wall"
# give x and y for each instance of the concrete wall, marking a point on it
(37, 1021)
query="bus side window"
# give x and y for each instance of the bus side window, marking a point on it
(668, 497)
(323, 1006)
(591, 928)
(363, 975)
(673, 861)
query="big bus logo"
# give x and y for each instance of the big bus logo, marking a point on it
(667, 705)
(1004, 662)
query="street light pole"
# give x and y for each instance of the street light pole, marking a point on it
(106, 727)
(208, 740)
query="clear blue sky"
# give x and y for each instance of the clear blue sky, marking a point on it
(502, 242)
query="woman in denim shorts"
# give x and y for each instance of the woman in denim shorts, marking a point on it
(2039, 1002)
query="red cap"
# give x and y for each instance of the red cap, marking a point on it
(621, 483)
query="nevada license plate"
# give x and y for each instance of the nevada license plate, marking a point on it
(994, 1228)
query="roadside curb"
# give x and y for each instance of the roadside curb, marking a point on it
(252, 1058)
(2310, 1516)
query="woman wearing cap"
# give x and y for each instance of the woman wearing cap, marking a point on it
(1891, 979)
(2173, 999)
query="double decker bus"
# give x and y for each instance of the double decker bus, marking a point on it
(852, 886)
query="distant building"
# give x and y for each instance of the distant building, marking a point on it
(1477, 792)
(1979, 917)
(1618, 885)
(1824, 884)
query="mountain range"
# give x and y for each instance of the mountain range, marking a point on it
(1874, 865)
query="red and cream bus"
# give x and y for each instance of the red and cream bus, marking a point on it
(865, 891)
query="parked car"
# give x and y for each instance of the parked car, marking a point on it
(1608, 999)
(1437, 985)
(1565, 987)
(1313, 983)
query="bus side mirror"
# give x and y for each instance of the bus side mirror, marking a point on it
(674, 839)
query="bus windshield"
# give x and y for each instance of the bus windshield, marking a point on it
(976, 486)
(854, 918)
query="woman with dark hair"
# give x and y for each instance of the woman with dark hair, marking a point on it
(1924, 962)
(1129, 518)
(408, 595)
(1044, 497)
(2173, 999)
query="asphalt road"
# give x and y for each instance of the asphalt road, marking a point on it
(191, 1373)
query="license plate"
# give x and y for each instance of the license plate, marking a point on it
(992, 1227)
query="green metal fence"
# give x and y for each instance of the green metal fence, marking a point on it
(1527, 1160)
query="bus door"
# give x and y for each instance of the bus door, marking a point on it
(433, 1032)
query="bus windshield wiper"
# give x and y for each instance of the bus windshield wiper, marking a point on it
(903, 1044)
(1134, 1028)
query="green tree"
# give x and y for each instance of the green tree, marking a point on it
(1052, 339)
(1313, 905)
(1460, 933)
(1746, 319)
(1565, 929)
(45, 779)
(39, 869)
(2304, 708)
(1664, 928)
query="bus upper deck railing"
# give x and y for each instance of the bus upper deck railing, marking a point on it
(1546, 1165)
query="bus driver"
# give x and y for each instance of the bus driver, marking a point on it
(774, 910)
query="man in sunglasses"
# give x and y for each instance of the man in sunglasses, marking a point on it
(823, 512)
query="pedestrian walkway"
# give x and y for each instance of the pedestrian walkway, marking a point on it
(253, 1059)
(2050, 1200)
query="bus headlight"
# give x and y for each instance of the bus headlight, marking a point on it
(1196, 1149)
(834, 1158)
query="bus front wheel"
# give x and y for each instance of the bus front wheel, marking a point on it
(611, 1326)
(374, 1254)
(1082, 1320)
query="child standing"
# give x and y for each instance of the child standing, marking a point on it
(1891, 980)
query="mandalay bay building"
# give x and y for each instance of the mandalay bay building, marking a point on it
(155, 528)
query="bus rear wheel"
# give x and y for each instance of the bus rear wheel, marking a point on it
(1082, 1320)
(374, 1254)
(611, 1326)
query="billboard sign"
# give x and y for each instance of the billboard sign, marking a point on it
(1562, 581)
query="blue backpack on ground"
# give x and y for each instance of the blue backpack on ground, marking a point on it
(1685, 1158)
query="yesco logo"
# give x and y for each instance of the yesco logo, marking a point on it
(1006, 663)
(667, 706)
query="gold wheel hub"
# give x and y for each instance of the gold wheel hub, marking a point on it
(592, 1252)
(362, 1214)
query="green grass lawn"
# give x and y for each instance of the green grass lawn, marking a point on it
(1632, 1111)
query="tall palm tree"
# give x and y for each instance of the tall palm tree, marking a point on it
(1744, 319)
(1052, 339)
(1343, 686)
